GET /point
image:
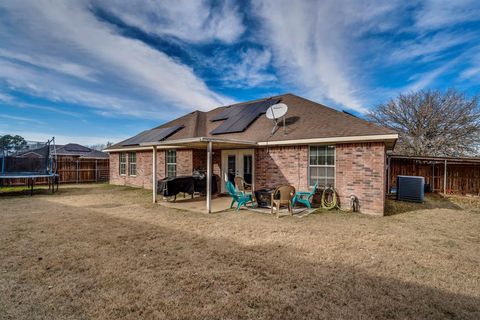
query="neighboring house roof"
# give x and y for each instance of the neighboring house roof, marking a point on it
(71, 149)
(95, 154)
(30, 154)
(74, 149)
(305, 120)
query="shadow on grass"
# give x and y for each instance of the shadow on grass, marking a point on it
(23, 191)
(99, 266)
(432, 201)
(69, 189)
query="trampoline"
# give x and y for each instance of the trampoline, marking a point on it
(29, 165)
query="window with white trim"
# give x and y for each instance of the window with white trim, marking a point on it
(171, 163)
(132, 163)
(321, 166)
(122, 167)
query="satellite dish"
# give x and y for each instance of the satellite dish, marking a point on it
(277, 111)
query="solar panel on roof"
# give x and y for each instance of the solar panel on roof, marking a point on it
(73, 147)
(227, 113)
(169, 131)
(243, 116)
(153, 135)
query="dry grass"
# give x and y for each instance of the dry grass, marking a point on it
(104, 253)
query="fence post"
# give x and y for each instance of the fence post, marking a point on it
(433, 177)
(96, 170)
(77, 171)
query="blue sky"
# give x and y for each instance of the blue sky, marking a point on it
(97, 71)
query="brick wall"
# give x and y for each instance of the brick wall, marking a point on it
(360, 170)
(200, 160)
(143, 177)
(281, 165)
(184, 162)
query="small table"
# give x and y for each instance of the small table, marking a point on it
(264, 197)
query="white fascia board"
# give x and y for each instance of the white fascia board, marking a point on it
(384, 137)
(135, 149)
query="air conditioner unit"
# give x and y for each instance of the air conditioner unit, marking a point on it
(410, 188)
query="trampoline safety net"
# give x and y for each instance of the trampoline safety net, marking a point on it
(36, 161)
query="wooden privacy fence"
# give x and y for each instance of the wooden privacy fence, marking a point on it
(75, 170)
(444, 175)
(83, 170)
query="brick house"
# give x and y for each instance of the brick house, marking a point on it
(317, 145)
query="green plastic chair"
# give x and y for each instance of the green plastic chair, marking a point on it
(304, 197)
(239, 197)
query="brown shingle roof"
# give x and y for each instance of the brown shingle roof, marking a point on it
(305, 120)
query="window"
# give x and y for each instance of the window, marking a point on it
(123, 164)
(132, 164)
(171, 163)
(322, 166)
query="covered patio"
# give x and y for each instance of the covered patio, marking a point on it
(200, 143)
(209, 203)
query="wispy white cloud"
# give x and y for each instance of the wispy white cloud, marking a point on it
(54, 110)
(471, 73)
(16, 118)
(436, 14)
(313, 44)
(5, 97)
(132, 75)
(344, 53)
(251, 71)
(191, 21)
(51, 63)
(427, 48)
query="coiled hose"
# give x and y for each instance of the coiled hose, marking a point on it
(329, 198)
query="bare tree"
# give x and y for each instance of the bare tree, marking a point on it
(100, 146)
(432, 123)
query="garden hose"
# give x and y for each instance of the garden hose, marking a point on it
(329, 199)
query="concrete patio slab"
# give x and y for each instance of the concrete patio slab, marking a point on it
(222, 203)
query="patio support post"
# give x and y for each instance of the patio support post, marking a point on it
(154, 174)
(209, 177)
(389, 162)
(445, 179)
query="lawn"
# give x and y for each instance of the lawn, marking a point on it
(104, 252)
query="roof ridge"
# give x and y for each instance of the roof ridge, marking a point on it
(196, 122)
(252, 101)
(176, 119)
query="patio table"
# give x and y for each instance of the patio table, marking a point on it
(264, 197)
